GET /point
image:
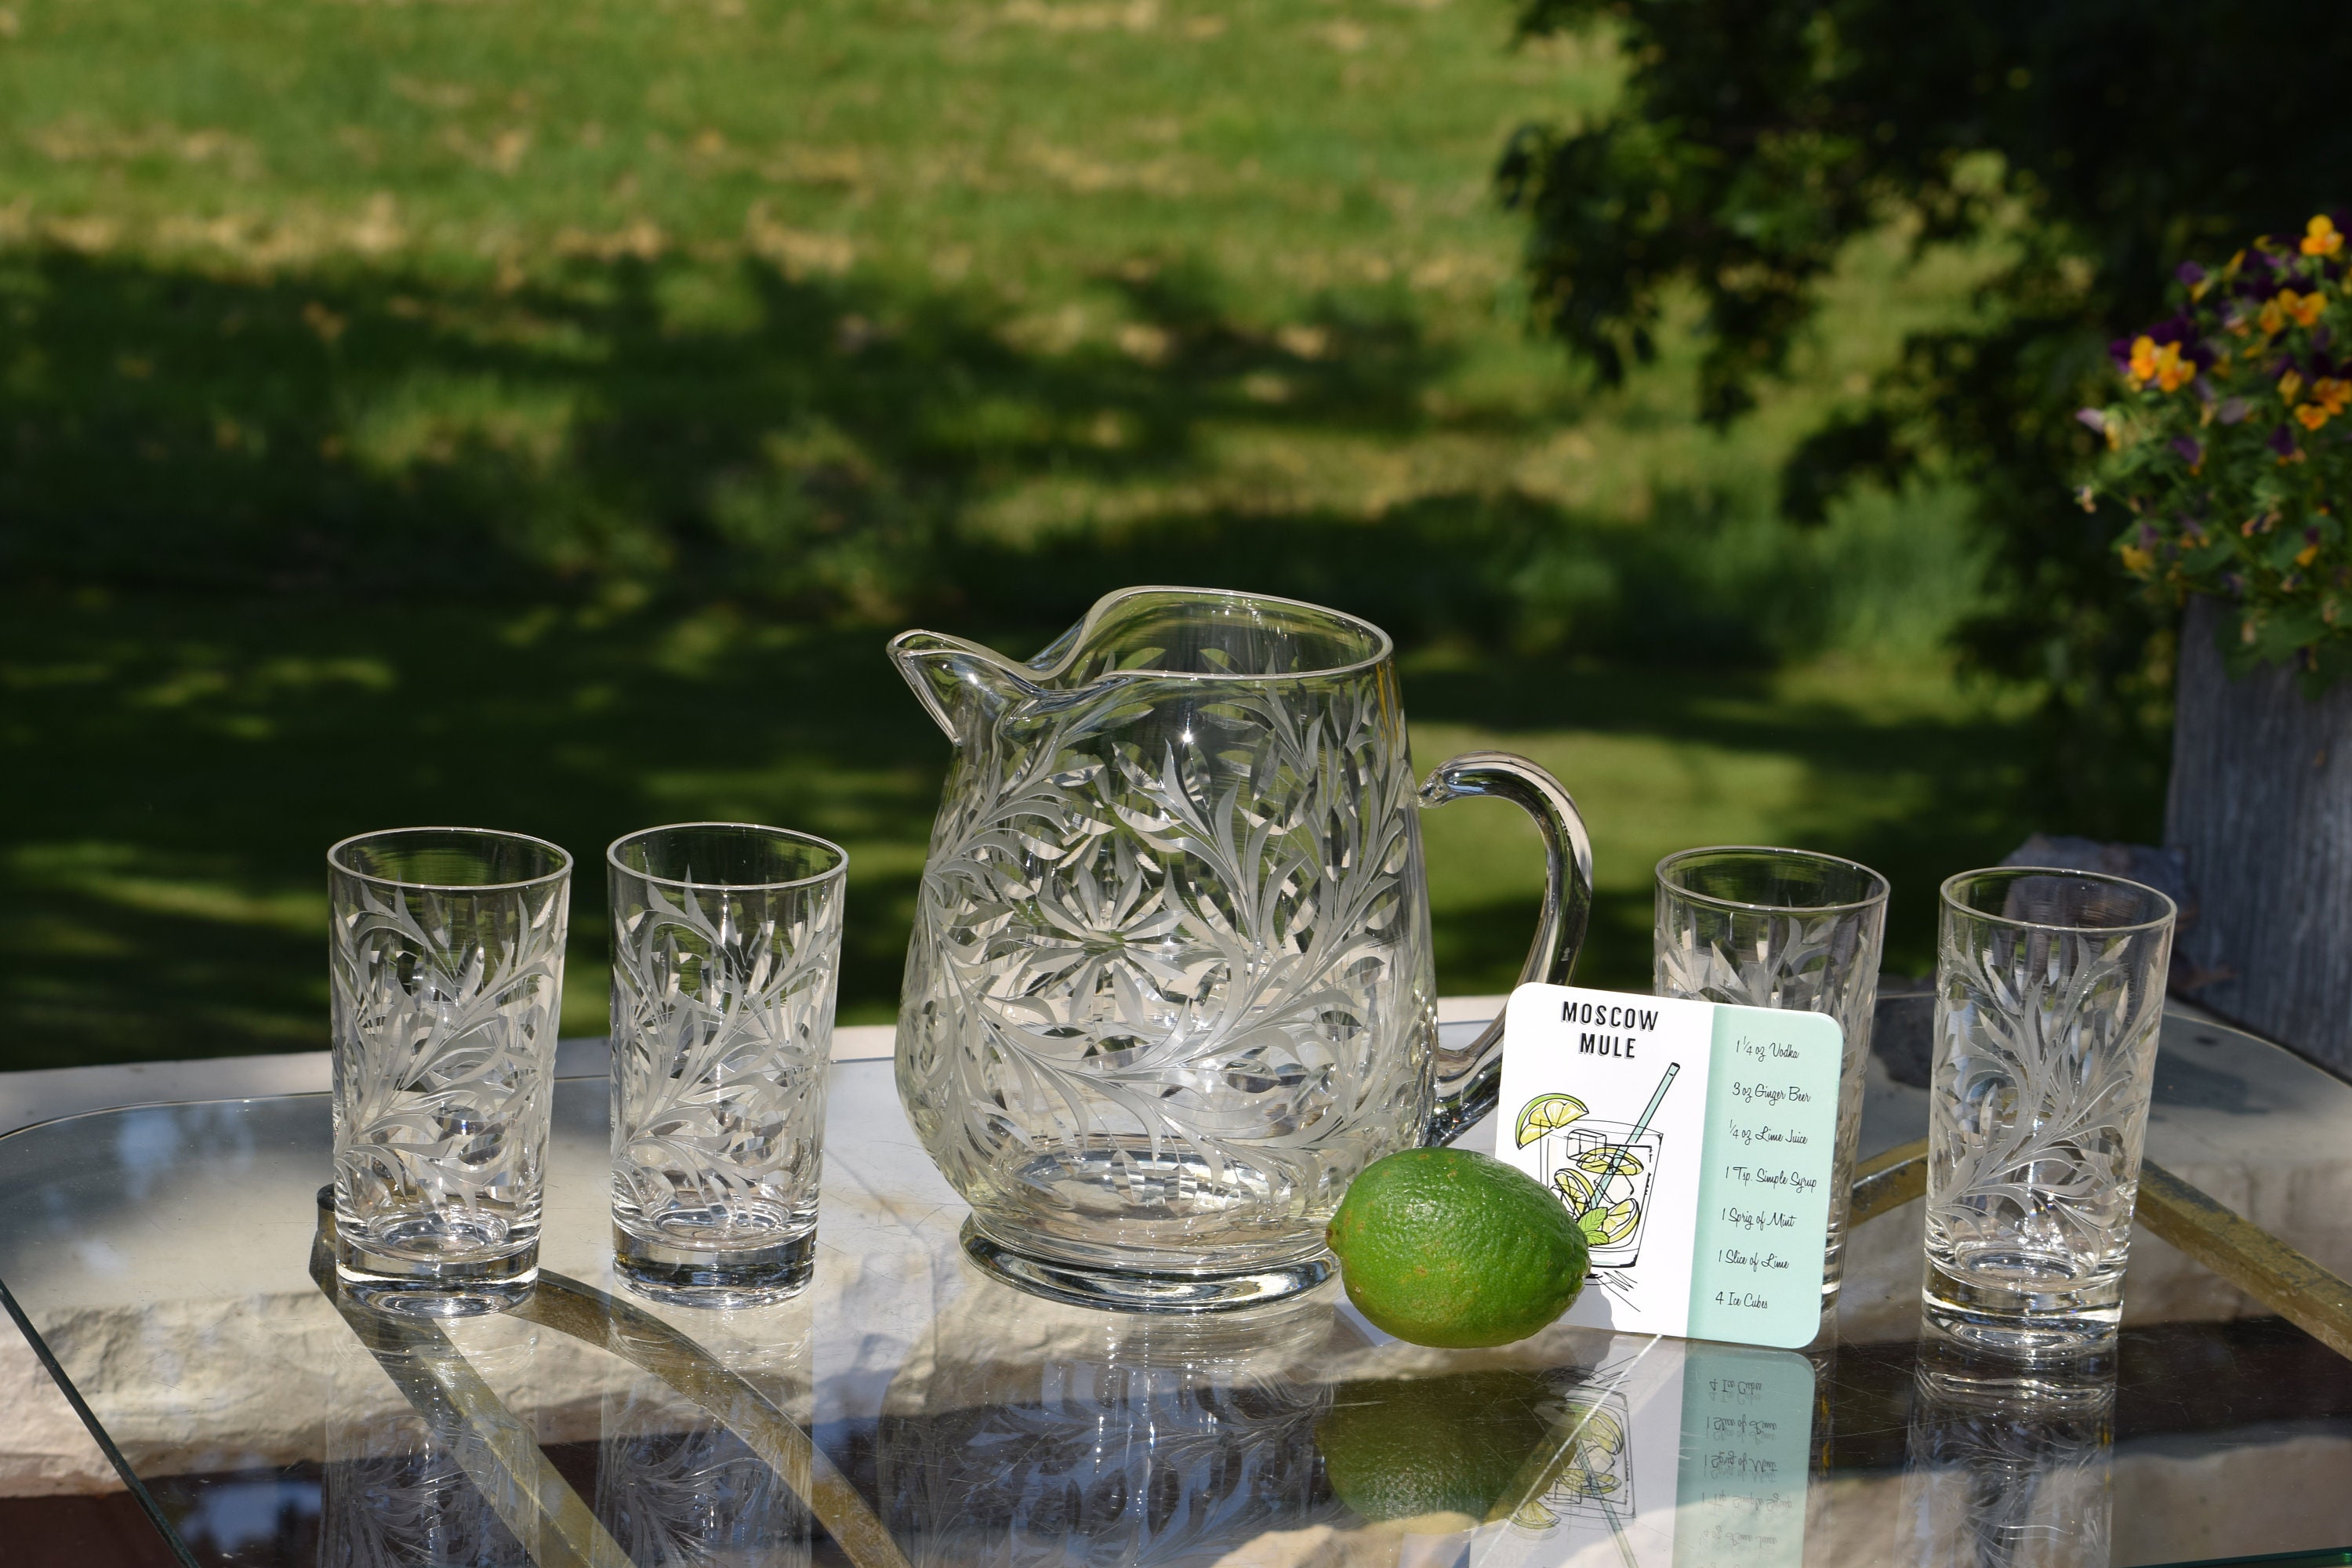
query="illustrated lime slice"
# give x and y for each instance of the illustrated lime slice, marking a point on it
(1599, 1429)
(1575, 1186)
(1608, 1161)
(1606, 1227)
(1536, 1517)
(1547, 1113)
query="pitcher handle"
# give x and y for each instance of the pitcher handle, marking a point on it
(1470, 1079)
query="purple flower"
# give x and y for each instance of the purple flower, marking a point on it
(2094, 419)
(2189, 274)
(2282, 442)
(2119, 351)
(2232, 409)
(2191, 450)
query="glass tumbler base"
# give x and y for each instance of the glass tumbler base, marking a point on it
(704, 1277)
(2023, 1323)
(442, 1287)
(1125, 1291)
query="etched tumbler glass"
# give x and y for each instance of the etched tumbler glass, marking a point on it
(2050, 990)
(447, 957)
(726, 949)
(1781, 928)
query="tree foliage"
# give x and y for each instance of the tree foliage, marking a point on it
(2095, 143)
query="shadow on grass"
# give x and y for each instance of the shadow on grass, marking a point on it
(308, 556)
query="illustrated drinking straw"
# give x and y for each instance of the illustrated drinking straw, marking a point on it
(1634, 1137)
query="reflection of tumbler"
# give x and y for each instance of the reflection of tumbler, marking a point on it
(2008, 1465)
(1604, 1179)
(398, 1488)
(675, 1484)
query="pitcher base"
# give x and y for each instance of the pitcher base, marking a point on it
(1123, 1291)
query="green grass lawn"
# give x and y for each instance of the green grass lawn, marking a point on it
(538, 415)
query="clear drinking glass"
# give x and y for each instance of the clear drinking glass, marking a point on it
(1781, 928)
(2050, 989)
(446, 957)
(726, 949)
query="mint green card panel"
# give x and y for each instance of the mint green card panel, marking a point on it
(1764, 1191)
(1748, 1428)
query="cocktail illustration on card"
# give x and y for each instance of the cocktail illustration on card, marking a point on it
(1602, 1170)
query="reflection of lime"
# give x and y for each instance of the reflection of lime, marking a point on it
(1610, 1162)
(1574, 1186)
(1534, 1516)
(1607, 1227)
(1401, 1448)
(1445, 1248)
(1547, 1113)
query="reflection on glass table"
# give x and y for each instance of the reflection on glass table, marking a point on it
(907, 1409)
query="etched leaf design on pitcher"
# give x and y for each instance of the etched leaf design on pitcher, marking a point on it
(1164, 943)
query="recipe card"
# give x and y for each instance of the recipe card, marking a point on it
(1691, 1142)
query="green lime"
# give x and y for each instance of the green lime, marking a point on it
(1445, 1248)
(1399, 1448)
(1547, 1113)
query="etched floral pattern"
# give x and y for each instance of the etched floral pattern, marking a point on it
(445, 1005)
(722, 1019)
(2045, 1055)
(1170, 975)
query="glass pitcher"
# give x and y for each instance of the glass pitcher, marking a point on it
(1171, 986)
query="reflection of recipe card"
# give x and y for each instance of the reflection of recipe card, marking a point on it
(1693, 1142)
(1663, 1456)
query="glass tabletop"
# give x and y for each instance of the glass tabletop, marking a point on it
(906, 1410)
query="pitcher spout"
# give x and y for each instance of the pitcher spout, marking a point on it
(961, 685)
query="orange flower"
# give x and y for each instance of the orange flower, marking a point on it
(2312, 415)
(2289, 385)
(2161, 363)
(2320, 237)
(2332, 393)
(2272, 317)
(2303, 308)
